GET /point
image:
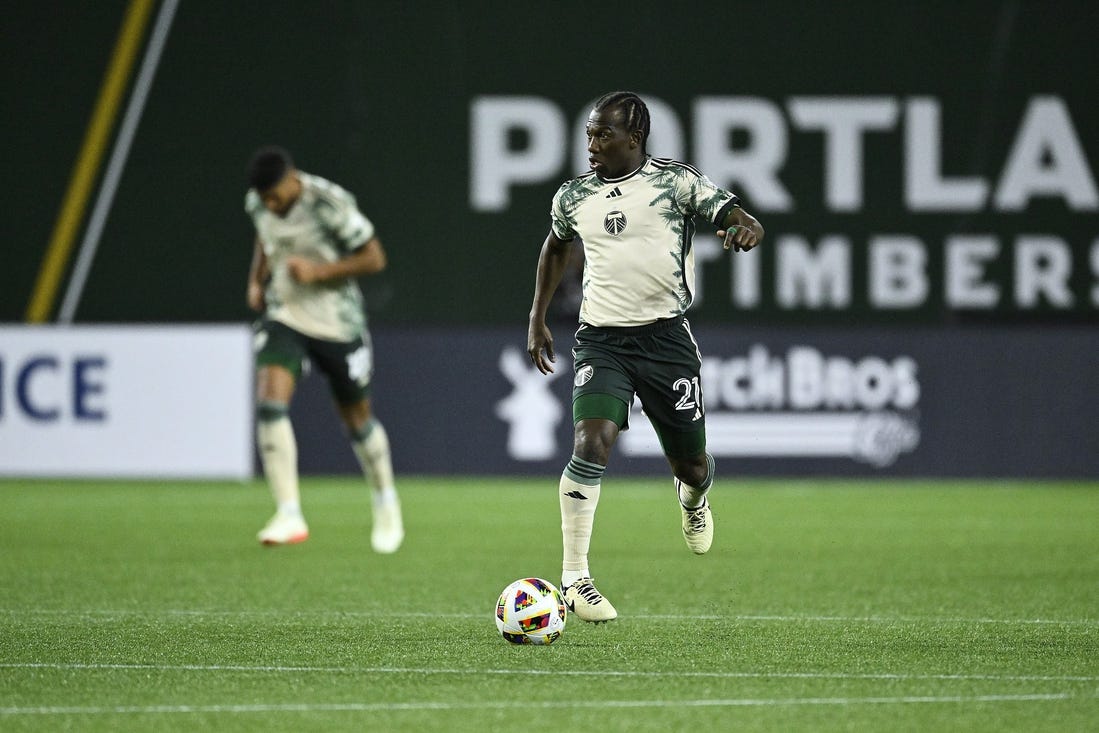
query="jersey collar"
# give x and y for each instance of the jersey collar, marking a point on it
(632, 173)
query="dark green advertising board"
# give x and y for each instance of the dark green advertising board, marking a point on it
(927, 164)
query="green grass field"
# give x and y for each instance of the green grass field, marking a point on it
(855, 606)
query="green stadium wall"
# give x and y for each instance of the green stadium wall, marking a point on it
(915, 165)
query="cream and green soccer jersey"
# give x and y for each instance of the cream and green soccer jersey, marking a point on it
(637, 232)
(324, 225)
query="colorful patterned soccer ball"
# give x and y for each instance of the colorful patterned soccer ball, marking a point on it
(531, 611)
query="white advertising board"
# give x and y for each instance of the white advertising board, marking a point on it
(126, 401)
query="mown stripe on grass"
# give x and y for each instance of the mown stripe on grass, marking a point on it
(779, 618)
(528, 704)
(266, 669)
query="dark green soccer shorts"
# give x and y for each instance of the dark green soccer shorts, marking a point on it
(660, 363)
(348, 365)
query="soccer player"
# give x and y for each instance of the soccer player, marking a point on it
(635, 215)
(312, 242)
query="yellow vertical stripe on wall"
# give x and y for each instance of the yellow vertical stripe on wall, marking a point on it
(89, 161)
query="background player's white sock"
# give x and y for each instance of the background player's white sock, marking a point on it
(372, 449)
(579, 494)
(693, 497)
(278, 451)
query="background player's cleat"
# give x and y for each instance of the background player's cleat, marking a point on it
(698, 527)
(588, 603)
(283, 529)
(388, 532)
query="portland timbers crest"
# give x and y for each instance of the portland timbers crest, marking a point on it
(615, 223)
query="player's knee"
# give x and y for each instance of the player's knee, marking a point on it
(593, 440)
(357, 416)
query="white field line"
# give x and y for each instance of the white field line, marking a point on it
(780, 618)
(528, 705)
(266, 669)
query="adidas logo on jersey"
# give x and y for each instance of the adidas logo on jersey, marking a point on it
(615, 193)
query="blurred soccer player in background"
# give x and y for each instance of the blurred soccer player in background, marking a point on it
(312, 242)
(636, 217)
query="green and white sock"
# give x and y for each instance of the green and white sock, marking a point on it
(371, 447)
(579, 495)
(278, 451)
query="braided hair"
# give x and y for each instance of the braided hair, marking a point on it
(634, 111)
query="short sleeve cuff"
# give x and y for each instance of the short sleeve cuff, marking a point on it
(728, 206)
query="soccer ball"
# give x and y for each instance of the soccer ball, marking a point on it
(531, 611)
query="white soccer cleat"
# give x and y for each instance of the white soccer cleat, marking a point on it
(587, 603)
(284, 529)
(388, 532)
(698, 527)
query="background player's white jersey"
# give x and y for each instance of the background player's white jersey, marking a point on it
(637, 231)
(324, 224)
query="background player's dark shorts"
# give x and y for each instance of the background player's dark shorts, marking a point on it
(348, 365)
(659, 362)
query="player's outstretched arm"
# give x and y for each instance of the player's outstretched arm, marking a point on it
(552, 262)
(740, 231)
